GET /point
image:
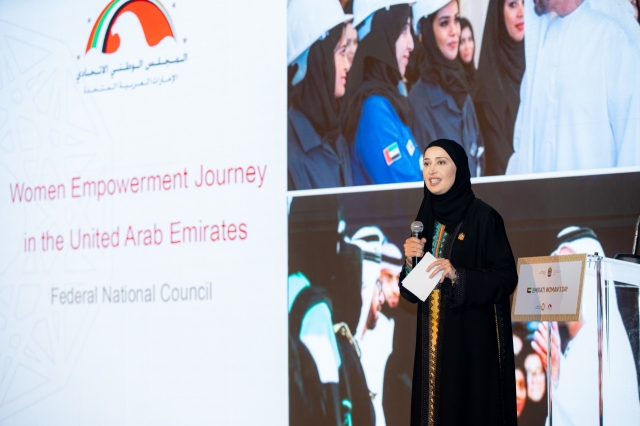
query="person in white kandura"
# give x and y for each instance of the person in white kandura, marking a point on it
(374, 333)
(580, 97)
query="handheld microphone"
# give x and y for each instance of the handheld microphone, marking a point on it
(416, 231)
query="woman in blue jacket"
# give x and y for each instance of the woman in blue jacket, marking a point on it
(440, 99)
(377, 115)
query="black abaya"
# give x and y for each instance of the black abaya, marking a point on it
(472, 358)
(463, 369)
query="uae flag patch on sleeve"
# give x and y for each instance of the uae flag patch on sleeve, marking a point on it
(392, 153)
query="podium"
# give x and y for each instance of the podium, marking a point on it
(599, 371)
(618, 340)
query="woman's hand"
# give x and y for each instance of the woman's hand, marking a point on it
(414, 247)
(448, 271)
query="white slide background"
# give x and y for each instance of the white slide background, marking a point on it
(217, 361)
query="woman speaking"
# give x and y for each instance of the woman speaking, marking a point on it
(463, 369)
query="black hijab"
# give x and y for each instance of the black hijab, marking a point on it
(500, 69)
(436, 69)
(375, 69)
(314, 95)
(470, 68)
(448, 208)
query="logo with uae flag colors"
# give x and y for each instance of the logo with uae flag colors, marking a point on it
(132, 45)
(154, 20)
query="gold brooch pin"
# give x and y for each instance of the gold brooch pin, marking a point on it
(461, 236)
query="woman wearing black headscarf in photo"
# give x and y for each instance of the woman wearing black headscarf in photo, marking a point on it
(440, 99)
(376, 113)
(318, 156)
(467, 50)
(498, 79)
(464, 361)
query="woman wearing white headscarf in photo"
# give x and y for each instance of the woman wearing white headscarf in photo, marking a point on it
(374, 333)
(574, 374)
(317, 154)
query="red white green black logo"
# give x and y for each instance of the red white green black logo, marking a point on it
(132, 45)
(154, 19)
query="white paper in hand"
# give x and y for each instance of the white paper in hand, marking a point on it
(418, 281)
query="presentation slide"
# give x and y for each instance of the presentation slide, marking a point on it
(143, 213)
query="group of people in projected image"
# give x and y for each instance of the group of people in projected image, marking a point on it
(372, 82)
(344, 323)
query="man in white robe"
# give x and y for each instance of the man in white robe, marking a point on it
(580, 94)
(374, 333)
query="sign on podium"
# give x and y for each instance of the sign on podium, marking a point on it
(549, 288)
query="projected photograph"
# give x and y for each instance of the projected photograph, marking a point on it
(372, 83)
(352, 336)
(126, 190)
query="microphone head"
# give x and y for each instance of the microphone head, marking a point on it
(416, 227)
